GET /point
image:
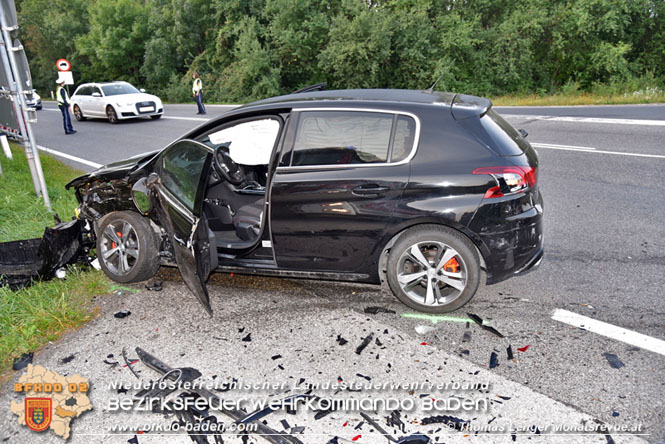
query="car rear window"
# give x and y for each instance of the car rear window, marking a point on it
(506, 140)
(351, 137)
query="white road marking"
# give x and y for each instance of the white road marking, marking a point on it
(68, 156)
(185, 118)
(594, 150)
(610, 331)
(163, 116)
(589, 120)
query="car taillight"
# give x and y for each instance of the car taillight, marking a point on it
(511, 179)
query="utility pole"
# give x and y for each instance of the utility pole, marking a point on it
(16, 80)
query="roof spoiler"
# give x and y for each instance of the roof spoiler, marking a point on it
(464, 106)
(311, 88)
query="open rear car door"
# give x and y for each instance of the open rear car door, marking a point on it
(182, 173)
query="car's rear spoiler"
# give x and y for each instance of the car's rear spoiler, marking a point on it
(464, 106)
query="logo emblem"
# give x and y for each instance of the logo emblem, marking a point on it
(38, 413)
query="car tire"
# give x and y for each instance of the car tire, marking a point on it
(156, 117)
(111, 115)
(78, 114)
(424, 281)
(131, 256)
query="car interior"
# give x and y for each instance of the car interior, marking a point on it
(236, 192)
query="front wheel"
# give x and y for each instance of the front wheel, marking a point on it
(78, 113)
(111, 114)
(127, 247)
(433, 269)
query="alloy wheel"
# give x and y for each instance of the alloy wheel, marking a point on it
(120, 247)
(431, 273)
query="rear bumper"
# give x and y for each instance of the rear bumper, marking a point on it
(511, 236)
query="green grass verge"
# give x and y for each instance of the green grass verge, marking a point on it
(34, 316)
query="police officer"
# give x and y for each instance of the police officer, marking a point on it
(197, 91)
(63, 104)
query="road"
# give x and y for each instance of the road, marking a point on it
(601, 176)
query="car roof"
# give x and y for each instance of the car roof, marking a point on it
(382, 95)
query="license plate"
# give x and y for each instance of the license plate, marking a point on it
(145, 109)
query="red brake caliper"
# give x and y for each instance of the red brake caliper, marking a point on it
(452, 266)
(113, 244)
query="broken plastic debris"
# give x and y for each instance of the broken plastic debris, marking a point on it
(376, 310)
(247, 338)
(452, 421)
(478, 320)
(95, 264)
(434, 319)
(365, 342)
(67, 359)
(613, 360)
(523, 349)
(414, 439)
(509, 352)
(424, 329)
(494, 360)
(122, 314)
(299, 429)
(60, 273)
(155, 286)
(341, 340)
(23, 361)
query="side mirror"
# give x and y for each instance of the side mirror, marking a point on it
(96, 94)
(523, 132)
(142, 90)
(141, 197)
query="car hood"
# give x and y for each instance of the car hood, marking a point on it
(115, 170)
(133, 98)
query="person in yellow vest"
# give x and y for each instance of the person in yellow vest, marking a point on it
(63, 104)
(197, 90)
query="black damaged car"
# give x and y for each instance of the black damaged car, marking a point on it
(425, 190)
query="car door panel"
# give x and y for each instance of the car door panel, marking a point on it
(182, 172)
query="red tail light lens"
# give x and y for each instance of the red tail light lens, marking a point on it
(517, 179)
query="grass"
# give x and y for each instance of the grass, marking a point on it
(34, 316)
(577, 99)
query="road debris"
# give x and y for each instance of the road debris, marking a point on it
(25, 261)
(129, 364)
(365, 342)
(340, 340)
(122, 314)
(613, 360)
(478, 320)
(155, 286)
(247, 338)
(523, 349)
(451, 421)
(494, 360)
(424, 329)
(509, 353)
(377, 310)
(67, 359)
(23, 361)
(435, 319)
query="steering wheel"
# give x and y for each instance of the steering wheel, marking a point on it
(227, 168)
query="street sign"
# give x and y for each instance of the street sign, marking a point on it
(63, 65)
(66, 76)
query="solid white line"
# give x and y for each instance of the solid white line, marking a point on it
(68, 156)
(553, 145)
(589, 120)
(610, 331)
(594, 150)
(185, 118)
(163, 117)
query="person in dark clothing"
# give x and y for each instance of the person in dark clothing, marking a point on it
(63, 104)
(197, 91)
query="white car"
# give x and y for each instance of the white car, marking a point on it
(114, 101)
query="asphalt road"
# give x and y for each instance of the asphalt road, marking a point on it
(605, 237)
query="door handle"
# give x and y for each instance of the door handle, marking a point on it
(369, 190)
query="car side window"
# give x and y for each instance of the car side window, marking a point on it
(405, 133)
(94, 89)
(342, 137)
(83, 91)
(180, 169)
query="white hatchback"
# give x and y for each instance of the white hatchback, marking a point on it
(114, 101)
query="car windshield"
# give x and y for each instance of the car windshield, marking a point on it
(119, 88)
